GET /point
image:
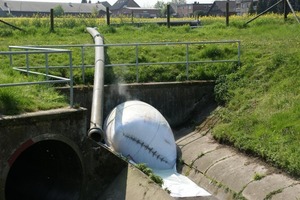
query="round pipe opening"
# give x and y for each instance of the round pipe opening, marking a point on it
(48, 170)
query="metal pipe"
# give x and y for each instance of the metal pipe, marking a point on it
(264, 12)
(291, 7)
(95, 132)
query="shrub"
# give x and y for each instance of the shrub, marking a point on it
(221, 90)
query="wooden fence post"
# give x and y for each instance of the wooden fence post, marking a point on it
(107, 16)
(168, 15)
(51, 20)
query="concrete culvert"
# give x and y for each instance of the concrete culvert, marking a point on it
(48, 170)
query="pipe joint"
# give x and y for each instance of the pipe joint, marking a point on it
(96, 134)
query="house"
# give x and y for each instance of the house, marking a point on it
(218, 8)
(244, 6)
(105, 4)
(117, 8)
(131, 8)
(140, 12)
(195, 9)
(173, 9)
(27, 8)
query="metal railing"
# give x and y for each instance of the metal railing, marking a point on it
(187, 62)
(137, 46)
(65, 49)
(50, 79)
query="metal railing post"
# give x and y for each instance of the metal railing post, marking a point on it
(82, 64)
(27, 62)
(47, 66)
(71, 81)
(10, 58)
(137, 62)
(239, 53)
(187, 62)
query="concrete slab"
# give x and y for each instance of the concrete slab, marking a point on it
(211, 158)
(228, 174)
(197, 198)
(190, 137)
(292, 192)
(196, 148)
(216, 190)
(269, 185)
(131, 184)
(235, 172)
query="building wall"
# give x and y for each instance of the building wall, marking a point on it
(243, 6)
(139, 13)
(185, 10)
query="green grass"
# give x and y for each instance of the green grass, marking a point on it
(260, 98)
(20, 99)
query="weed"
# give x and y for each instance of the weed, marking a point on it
(258, 176)
(148, 171)
(168, 191)
(271, 194)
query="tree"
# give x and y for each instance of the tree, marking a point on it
(162, 6)
(251, 9)
(95, 12)
(297, 5)
(177, 2)
(270, 3)
(58, 11)
(83, 1)
(265, 4)
(159, 5)
(261, 6)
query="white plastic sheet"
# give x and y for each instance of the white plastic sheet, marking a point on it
(179, 185)
(139, 132)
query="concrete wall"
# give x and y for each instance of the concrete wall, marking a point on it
(46, 155)
(175, 100)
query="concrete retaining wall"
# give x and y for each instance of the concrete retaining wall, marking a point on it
(175, 100)
(46, 155)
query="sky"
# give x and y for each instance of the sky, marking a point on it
(142, 3)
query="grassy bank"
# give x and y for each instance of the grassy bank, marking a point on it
(260, 98)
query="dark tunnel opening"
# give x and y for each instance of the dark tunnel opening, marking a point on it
(48, 170)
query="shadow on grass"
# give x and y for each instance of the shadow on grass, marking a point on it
(9, 104)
